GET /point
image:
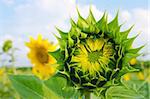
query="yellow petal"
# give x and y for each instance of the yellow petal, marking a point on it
(99, 44)
(91, 44)
(83, 49)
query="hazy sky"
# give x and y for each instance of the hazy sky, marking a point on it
(20, 19)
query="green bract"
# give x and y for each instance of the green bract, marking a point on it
(94, 55)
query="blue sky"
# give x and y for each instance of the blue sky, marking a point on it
(20, 19)
(115, 4)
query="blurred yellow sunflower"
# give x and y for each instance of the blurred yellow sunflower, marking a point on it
(44, 72)
(140, 75)
(1, 71)
(127, 77)
(133, 61)
(44, 64)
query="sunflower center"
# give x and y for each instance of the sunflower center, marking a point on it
(42, 56)
(94, 56)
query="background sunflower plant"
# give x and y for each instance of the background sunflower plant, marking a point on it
(91, 61)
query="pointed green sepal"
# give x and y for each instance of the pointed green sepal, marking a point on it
(135, 50)
(127, 69)
(66, 53)
(73, 24)
(124, 34)
(81, 23)
(74, 31)
(128, 56)
(102, 23)
(113, 25)
(91, 19)
(116, 34)
(83, 35)
(127, 44)
(58, 56)
(70, 41)
(61, 42)
(63, 35)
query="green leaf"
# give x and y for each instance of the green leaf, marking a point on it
(27, 86)
(139, 86)
(97, 97)
(49, 94)
(59, 85)
(121, 92)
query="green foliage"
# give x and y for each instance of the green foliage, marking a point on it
(57, 87)
(136, 87)
(62, 89)
(6, 89)
(140, 87)
(33, 88)
(121, 92)
(28, 86)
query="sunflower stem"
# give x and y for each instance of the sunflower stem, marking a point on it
(87, 95)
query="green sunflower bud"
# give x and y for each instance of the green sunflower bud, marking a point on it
(94, 55)
(7, 45)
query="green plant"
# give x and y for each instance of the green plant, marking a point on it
(92, 58)
(94, 55)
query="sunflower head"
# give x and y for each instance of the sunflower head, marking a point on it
(95, 54)
(44, 64)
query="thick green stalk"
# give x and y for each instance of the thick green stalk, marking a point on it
(87, 95)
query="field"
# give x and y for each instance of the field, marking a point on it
(137, 81)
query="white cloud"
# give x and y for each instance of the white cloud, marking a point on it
(140, 19)
(125, 16)
(8, 2)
